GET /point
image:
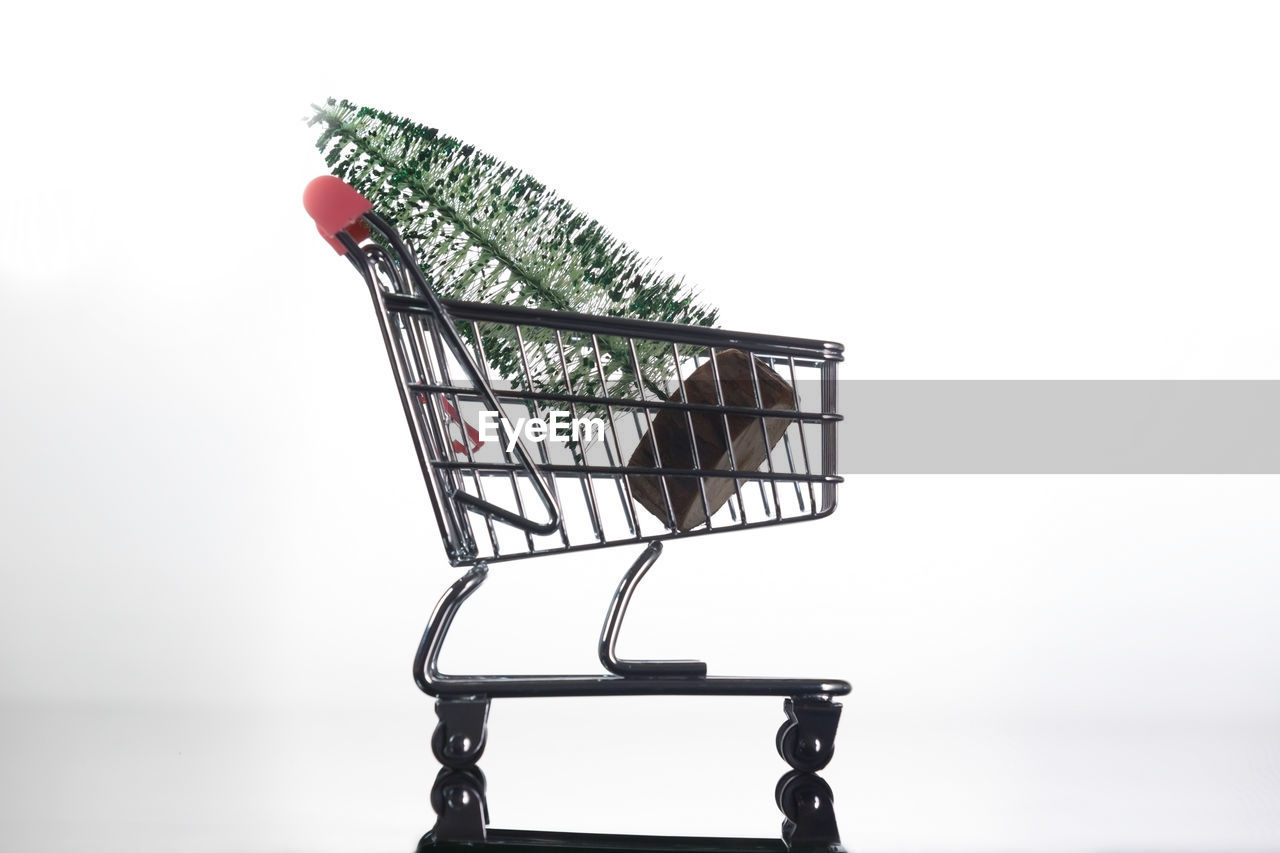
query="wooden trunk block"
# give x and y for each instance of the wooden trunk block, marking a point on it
(670, 432)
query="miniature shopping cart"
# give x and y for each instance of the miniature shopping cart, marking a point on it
(737, 431)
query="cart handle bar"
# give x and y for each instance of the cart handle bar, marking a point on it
(344, 217)
(336, 207)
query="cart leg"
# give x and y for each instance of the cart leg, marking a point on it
(613, 622)
(458, 798)
(460, 736)
(805, 799)
(807, 739)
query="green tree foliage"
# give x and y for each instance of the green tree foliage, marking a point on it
(484, 231)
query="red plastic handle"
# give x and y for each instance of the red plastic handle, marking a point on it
(336, 207)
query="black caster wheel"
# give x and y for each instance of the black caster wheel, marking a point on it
(458, 799)
(456, 750)
(459, 738)
(456, 788)
(801, 795)
(806, 801)
(806, 740)
(802, 750)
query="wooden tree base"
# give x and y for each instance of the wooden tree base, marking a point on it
(668, 443)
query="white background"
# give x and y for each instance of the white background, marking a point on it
(216, 549)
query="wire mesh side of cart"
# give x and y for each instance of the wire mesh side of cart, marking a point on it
(598, 386)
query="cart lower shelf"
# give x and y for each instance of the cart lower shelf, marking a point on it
(505, 686)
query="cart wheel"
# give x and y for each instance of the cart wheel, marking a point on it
(459, 738)
(454, 788)
(458, 798)
(810, 823)
(803, 750)
(806, 740)
(800, 795)
(456, 750)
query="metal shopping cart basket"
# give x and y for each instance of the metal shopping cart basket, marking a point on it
(740, 434)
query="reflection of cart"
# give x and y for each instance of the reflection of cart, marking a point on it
(460, 366)
(805, 800)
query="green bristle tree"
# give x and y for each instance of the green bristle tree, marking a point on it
(484, 231)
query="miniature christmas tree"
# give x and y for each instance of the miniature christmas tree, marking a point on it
(484, 231)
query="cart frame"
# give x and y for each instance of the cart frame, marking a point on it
(399, 290)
